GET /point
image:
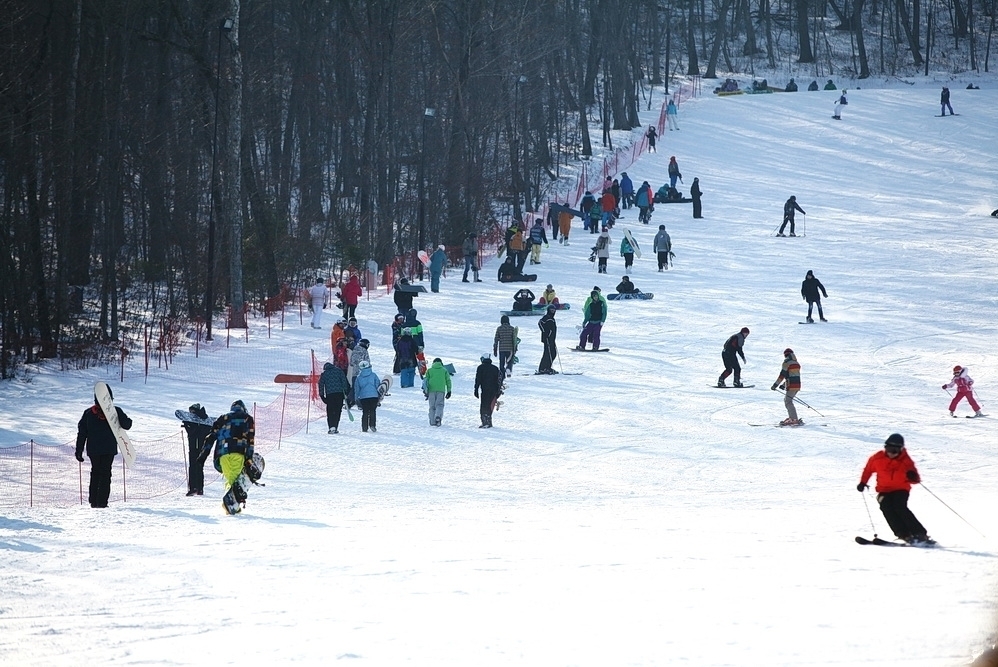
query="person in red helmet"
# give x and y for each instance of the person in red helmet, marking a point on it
(964, 389)
(790, 377)
(733, 348)
(896, 473)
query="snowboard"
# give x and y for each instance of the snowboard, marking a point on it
(560, 207)
(410, 289)
(516, 346)
(946, 114)
(813, 322)
(384, 388)
(579, 349)
(634, 244)
(235, 497)
(125, 446)
(424, 258)
(188, 416)
(728, 386)
(288, 378)
(450, 369)
(523, 278)
(628, 297)
(522, 313)
(558, 306)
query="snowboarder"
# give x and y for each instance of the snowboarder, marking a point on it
(488, 387)
(351, 292)
(416, 331)
(733, 348)
(645, 201)
(790, 379)
(593, 318)
(809, 292)
(437, 261)
(674, 174)
(503, 345)
(695, 193)
(365, 391)
(790, 209)
(627, 252)
(603, 250)
(662, 247)
(839, 103)
(564, 224)
(626, 190)
(964, 389)
(792, 86)
(403, 296)
(523, 300)
(672, 115)
(197, 434)
(516, 248)
(896, 473)
(586, 205)
(625, 286)
(405, 352)
(94, 434)
(549, 333)
(548, 297)
(509, 272)
(436, 388)
(652, 135)
(318, 297)
(233, 434)
(470, 250)
(333, 389)
(944, 102)
(537, 237)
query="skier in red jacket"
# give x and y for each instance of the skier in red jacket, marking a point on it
(896, 473)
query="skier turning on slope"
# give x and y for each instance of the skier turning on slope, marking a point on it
(896, 473)
(790, 377)
(964, 389)
(729, 354)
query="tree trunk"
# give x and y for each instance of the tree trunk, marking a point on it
(909, 35)
(231, 214)
(857, 24)
(803, 34)
(715, 50)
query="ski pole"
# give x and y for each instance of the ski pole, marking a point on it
(866, 504)
(953, 511)
(797, 400)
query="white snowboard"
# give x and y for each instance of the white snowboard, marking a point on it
(634, 244)
(125, 445)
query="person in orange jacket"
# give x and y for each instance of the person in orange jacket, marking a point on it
(896, 473)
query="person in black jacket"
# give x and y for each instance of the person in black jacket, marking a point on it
(809, 291)
(197, 433)
(789, 211)
(549, 334)
(696, 194)
(94, 434)
(488, 387)
(333, 387)
(403, 297)
(729, 355)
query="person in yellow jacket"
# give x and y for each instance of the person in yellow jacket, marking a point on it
(436, 388)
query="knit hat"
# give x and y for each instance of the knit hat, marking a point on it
(894, 440)
(745, 331)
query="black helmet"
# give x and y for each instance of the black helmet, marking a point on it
(363, 342)
(894, 440)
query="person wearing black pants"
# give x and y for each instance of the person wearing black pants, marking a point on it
(789, 211)
(696, 194)
(896, 473)
(197, 432)
(729, 355)
(488, 388)
(549, 332)
(333, 387)
(95, 435)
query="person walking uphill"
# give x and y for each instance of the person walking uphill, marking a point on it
(549, 333)
(662, 246)
(672, 115)
(333, 389)
(436, 388)
(365, 391)
(197, 435)
(593, 318)
(809, 292)
(469, 248)
(351, 293)
(790, 377)
(789, 211)
(895, 473)
(733, 348)
(504, 344)
(488, 387)
(94, 435)
(437, 261)
(652, 135)
(537, 237)
(234, 434)
(318, 297)
(964, 389)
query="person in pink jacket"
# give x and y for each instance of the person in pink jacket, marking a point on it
(964, 389)
(351, 294)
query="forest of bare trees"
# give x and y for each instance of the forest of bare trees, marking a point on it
(166, 158)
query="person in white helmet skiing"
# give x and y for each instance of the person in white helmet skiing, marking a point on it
(964, 389)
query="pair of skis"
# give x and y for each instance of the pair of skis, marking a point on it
(876, 541)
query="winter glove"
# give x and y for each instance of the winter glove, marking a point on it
(944, 386)
(861, 487)
(79, 456)
(447, 395)
(912, 476)
(476, 393)
(773, 387)
(783, 387)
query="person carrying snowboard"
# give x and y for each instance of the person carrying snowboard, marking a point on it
(333, 389)
(318, 296)
(402, 296)
(627, 252)
(593, 318)
(437, 261)
(537, 237)
(233, 434)
(896, 473)
(790, 209)
(94, 435)
(436, 388)
(809, 292)
(405, 352)
(662, 247)
(733, 348)
(503, 345)
(365, 391)
(488, 388)
(790, 378)
(964, 389)
(549, 332)
(197, 434)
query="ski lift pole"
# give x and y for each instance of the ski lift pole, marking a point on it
(953, 511)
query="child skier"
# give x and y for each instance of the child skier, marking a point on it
(964, 389)
(790, 377)
(896, 473)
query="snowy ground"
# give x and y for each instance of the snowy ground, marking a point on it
(626, 516)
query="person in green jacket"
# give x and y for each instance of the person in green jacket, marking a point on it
(436, 388)
(593, 317)
(627, 252)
